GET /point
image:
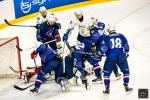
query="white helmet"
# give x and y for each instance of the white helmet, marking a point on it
(78, 12)
(111, 27)
(42, 9)
(50, 19)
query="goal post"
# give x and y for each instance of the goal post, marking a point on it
(10, 56)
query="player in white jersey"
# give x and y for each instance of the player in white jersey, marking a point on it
(42, 17)
(84, 24)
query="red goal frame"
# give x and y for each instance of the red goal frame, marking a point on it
(18, 52)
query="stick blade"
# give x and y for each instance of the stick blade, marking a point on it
(7, 22)
(13, 69)
(19, 88)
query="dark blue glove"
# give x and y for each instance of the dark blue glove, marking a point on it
(37, 26)
(65, 37)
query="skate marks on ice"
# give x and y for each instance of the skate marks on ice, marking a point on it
(48, 90)
(141, 42)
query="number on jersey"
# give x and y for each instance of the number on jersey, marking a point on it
(116, 43)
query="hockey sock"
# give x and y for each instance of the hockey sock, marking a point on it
(126, 78)
(38, 83)
(106, 78)
(97, 70)
(40, 79)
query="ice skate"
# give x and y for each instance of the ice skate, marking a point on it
(98, 79)
(62, 85)
(106, 91)
(35, 91)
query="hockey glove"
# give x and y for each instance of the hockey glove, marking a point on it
(58, 58)
(97, 55)
(58, 44)
(93, 47)
(33, 54)
(37, 26)
(65, 37)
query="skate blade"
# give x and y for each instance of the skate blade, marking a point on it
(87, 86)
(106, 94)
(129, 92)
(33, 93)
(118, 78)
(63, 88)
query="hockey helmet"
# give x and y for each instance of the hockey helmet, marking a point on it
(111, 28)
(42, 9)
(50, 19)
(78, 12)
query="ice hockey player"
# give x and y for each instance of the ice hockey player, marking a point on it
(53, 61)
(97, 35)
(117, 52)
(97, 41)
(49, 31)
(50, 61)
(79, 59)
(84, 24)
(42, 17)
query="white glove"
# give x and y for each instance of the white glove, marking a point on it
(59, 45)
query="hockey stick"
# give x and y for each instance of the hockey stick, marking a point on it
(20, 49)
(17, 25)
(22, 89)
(35, 63)
(64, 66)
(69, 47)
(16, 71)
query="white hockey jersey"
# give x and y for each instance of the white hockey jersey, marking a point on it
(41, 19)
(84, 26)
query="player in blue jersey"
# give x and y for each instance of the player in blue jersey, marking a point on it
(94, 59)
(98, 39)
(50, 61)
(48, 31)
(117, 53)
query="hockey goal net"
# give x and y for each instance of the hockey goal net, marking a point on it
(10, 57)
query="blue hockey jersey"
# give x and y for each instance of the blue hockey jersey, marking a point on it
(46, 53)
(117, 44)
(47, 32)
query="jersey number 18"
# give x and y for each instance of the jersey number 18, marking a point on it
(116, 43)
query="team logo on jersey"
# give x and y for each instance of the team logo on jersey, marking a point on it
(49, 33)
(80, 46)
